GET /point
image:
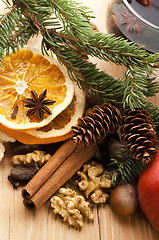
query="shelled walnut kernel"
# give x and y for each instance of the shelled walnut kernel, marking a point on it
(35, 158)
(4, 138)
(94, 181)
(71, 206)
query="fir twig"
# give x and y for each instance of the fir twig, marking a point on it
(125, 170)
(154, 112)
(71, 38)
(67, 33)
(7, 15)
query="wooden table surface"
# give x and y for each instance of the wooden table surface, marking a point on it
(18, 223)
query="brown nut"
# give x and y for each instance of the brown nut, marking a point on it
(123, 199)
(94, 182)
(71, 206)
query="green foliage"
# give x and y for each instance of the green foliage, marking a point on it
(127, 169)
(154, 112)
(14, 32)
(67, 32)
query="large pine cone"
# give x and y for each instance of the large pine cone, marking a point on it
(99, 122)
(138, 131)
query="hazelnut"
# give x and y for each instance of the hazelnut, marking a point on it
(123, 199)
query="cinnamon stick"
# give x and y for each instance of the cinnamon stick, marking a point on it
(144, 2)
(46, 171)
(66, 170)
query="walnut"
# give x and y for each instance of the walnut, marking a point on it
(35, 158)
(2, 150)
(94, 181)
(3, 139)
(71, 206)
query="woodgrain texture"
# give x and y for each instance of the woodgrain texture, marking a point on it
(18, 223)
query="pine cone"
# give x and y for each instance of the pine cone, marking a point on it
(99, 122)
(138, 131)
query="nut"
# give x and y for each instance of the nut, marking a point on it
(123, 199)
(71, 206)
(99, 197)
(2, 150)
(94, 181)
(4, 138)
(36, 158)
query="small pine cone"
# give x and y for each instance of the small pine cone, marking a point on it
(138, 131)
(99, 122)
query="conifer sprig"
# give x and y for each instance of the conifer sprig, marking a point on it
(67, 32)
(125, 169)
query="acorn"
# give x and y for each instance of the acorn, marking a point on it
(123, 199)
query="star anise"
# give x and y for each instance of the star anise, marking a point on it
(131, 22)
(38, 104)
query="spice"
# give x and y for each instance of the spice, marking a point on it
(47, 170)
(131, 22)
(14, 113)
(144, 2)
(66, 161)
(20, 175)
(38, 104)
(26, 148)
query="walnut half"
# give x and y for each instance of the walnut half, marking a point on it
(36, 158)
(71, 206)
(94, 182)
(4, 138)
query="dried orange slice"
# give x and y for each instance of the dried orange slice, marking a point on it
(25, 71)
(59, 129)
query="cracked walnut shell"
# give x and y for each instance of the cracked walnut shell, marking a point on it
(4, 138)
(94, 181)
(35, 158)
(71, 206)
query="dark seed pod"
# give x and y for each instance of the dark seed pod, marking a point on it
(24, 148)
(20, 175)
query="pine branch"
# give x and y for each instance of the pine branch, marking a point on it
(67, 33)
(125, 170)
(135, 87)
(152, 87)
(154, 112)
(74, 17)
(89, 76)
(121, 51)
(5, 16)
(15, 31)
(76, 24)
(71, 38)
(98, 44)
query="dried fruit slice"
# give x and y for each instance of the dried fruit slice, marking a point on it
(59, 129)
(25, 71)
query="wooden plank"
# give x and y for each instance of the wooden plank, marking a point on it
(16, 222)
